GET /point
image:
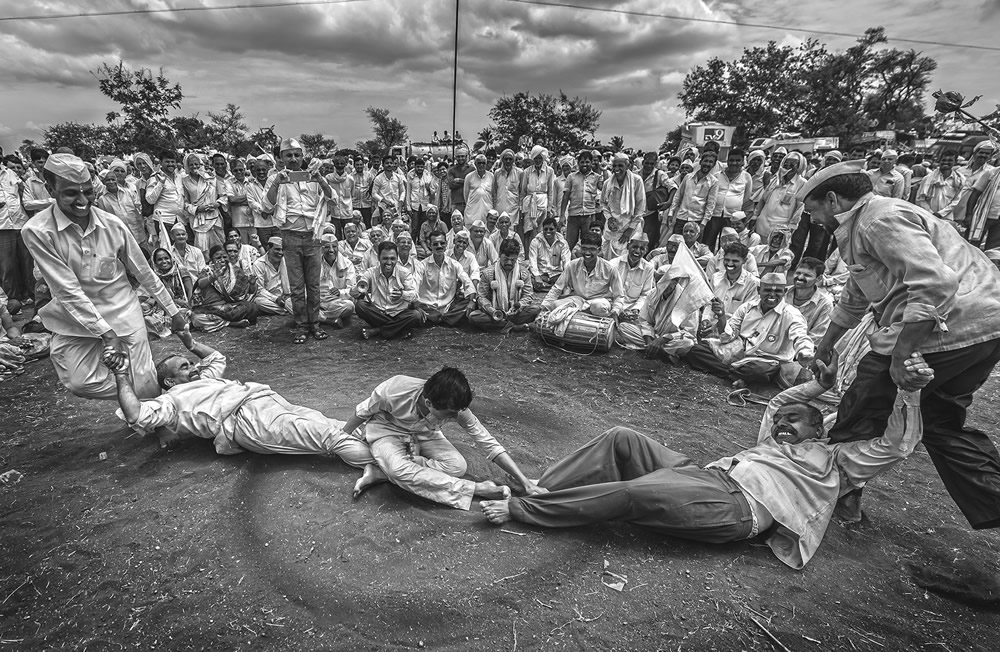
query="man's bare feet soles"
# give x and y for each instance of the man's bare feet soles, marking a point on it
(492, 490)
(497, 512)
(372, 475)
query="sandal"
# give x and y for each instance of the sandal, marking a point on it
(364, 334)
(300, 338)
(318, 333)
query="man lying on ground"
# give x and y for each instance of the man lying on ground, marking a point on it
(402, 422)
(238, 416)
(787, 485)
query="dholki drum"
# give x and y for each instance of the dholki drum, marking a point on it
(583, 332)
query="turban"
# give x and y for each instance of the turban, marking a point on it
(430, 209)
(328, 238)
(69, 167)
(462, 151)
(275, 241)
(837, 169)
(537, 151)
(984, 144)
(773, 278)
(145, 159)
(834, 154)
(567, 160)
(507, 152)
(118, 163)
(178, 227)
(289, 143)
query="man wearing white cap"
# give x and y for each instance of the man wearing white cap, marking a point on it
(481, 246)
(188, 258)
(623, 200)
(456, 178)
(335, 283)
(300, 210)
(886, 180)
(274, 294)
(478, 192)
(941, 190)
(538, 193)
(590, 282)
(773, 338)
(85, 256)
(507, 188)
(931, 292)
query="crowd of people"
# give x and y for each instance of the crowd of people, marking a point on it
(763, 267)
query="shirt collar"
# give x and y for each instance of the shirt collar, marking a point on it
(63, 222)
(846, 216)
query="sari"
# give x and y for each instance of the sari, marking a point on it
(226, 299)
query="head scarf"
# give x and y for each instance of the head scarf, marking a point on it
(984, 144)
(537, 151)
(757, 153)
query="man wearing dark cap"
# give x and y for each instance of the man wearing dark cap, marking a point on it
(931, 293)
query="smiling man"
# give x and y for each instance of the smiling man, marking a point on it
(237, 416)
(589, 281)
(86, 257)
(383, 296)
(785, 486)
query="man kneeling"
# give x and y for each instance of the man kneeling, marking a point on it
(787, 485)
(402, 422)
(238, 416)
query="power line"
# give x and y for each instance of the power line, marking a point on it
(720, 21)
(169, 10)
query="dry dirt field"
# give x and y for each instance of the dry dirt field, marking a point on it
(187, 550)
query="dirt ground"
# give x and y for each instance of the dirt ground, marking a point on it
(185, 549)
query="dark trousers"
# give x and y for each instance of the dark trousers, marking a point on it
(265, 233)
(391, 326)
(678, 227)
(304, 260)
(624, 476)
(339, 225)
(809, 240)
(577, 225)
(16, 266)
(965, 458)
(366, 216)
(701, 358)
(452, 315)
(710, 236)
(417, 218)
(651, 227)
(991, 235)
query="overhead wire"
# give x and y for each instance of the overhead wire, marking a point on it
(169, 10)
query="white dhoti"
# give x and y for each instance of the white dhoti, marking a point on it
(269, 304)
(271, 425)
(77, 361)
(331, 310)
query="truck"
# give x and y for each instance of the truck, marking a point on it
(440, 149)
(795, 142)
(961, 141)
(699, 133)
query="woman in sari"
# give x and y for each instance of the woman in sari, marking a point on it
(226, 293)
(177, 282)
(201, 203)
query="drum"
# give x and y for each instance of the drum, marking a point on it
(584, 332)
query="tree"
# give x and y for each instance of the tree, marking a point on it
(372, 148)
(146, 101)
(317, 144)
(617, 143)
(811, 90)
(672, 141)
(558, 122)
(86, 140)
(227, 128)
(26, 146)
(190, 132)
(388, 131)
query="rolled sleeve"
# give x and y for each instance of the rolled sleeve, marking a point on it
(153, 413)
(475, 429)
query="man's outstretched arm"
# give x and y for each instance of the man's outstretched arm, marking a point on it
(127, 400)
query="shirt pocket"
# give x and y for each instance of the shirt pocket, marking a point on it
(871, 284)
(106, 269)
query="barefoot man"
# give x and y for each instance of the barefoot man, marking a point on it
(402, 422)
(787, 485)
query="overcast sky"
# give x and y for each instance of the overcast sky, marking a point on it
(316, 68)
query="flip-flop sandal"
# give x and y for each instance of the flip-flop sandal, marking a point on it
(364, 334)
(300, 338)
(741, 397)
(319, 333)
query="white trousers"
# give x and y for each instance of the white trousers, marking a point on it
(77, 361)
(433, 474)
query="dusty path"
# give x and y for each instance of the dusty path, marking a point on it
(188, 550)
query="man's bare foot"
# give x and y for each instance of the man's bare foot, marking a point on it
(497, 512)
(372, 475)
(492, 490)
(848, 509)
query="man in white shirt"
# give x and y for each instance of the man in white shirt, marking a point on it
(696, 195)
(734, 191)
(83, 253)
(443, 288)
(342, 204)
(507, 188)
(388, 192)
(237, 416)
(941, 190)
(623, 200)
(36, 196)
(734, 285)
(635, 274)
(589, 281)
(336, 281)
(15, 260)
(886, 180)
(189, 259)
(548, 256)
(361, 197)
(421, 195)
(122, 202)
(263, 221)
(383, 295)
(300, 210)
(478, 192)
(165, 191)
(274, 294)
